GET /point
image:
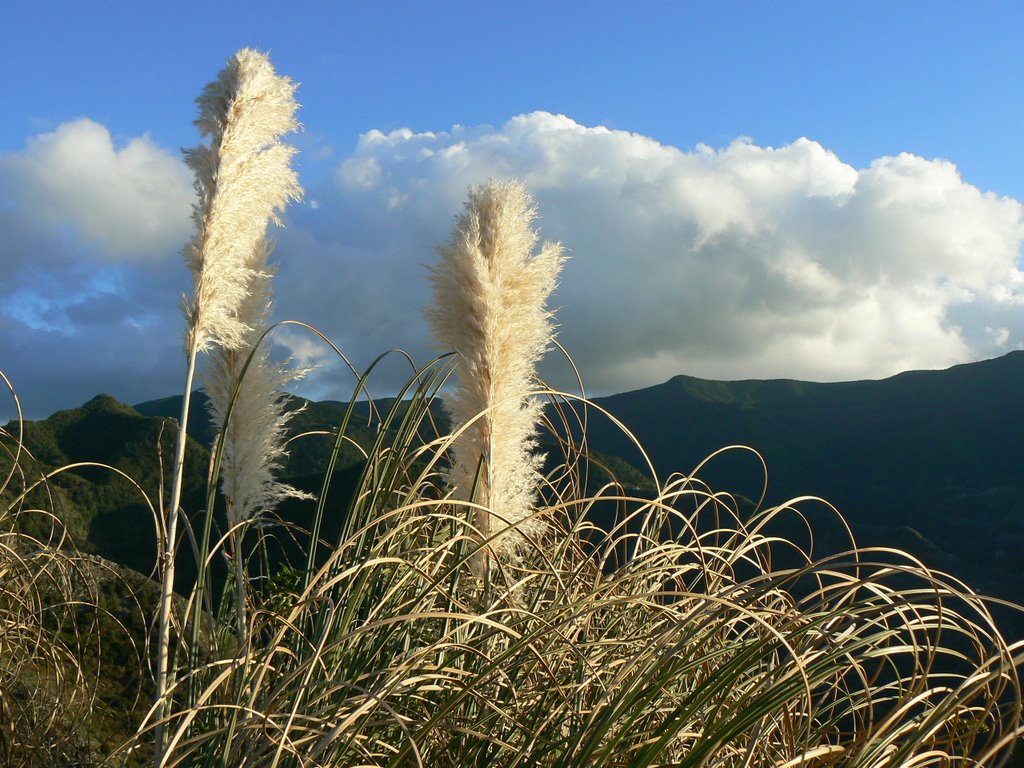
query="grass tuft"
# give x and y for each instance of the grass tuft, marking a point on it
(686, 633)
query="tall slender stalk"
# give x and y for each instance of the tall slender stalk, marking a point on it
(168, 551)
(243, 179)
(490, 291)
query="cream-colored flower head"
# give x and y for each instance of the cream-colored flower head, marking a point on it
(254, 425)
(490, 295)
(244, 178)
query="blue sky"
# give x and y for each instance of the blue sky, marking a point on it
(811, 190)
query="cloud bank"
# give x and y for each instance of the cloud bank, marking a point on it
(743, 261)
(127, 201)
(734, 262)
(90, 277)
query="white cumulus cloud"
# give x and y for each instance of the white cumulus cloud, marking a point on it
(131, 202)
(91, 274)
(740, 261)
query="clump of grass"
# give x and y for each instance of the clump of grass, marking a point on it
(55, 708)
(685, 634)
(675, 638)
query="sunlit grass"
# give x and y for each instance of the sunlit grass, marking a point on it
(687, 634)
(64, 646)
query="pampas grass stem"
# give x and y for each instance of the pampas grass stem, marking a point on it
(243, 179)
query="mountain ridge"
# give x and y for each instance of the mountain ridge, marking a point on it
(930, 459)
(938, 452)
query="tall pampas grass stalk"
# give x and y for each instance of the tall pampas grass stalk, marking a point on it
(490, 295)
(244, 179)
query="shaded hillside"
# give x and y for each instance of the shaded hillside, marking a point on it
(925, 459)
(311, 430)
(109, 515)
(106, 513)
(930, 461)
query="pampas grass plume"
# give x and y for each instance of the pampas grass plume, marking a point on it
(490, 292)
(255, 419)
(244, 179)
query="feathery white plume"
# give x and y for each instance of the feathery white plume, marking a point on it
(490, 291)
(254, 430)
(244, 178)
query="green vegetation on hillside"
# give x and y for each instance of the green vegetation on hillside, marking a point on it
(938, 452)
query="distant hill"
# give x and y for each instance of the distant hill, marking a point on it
(932, 461)
(928, 461)
(104, 511)
(306, 456)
